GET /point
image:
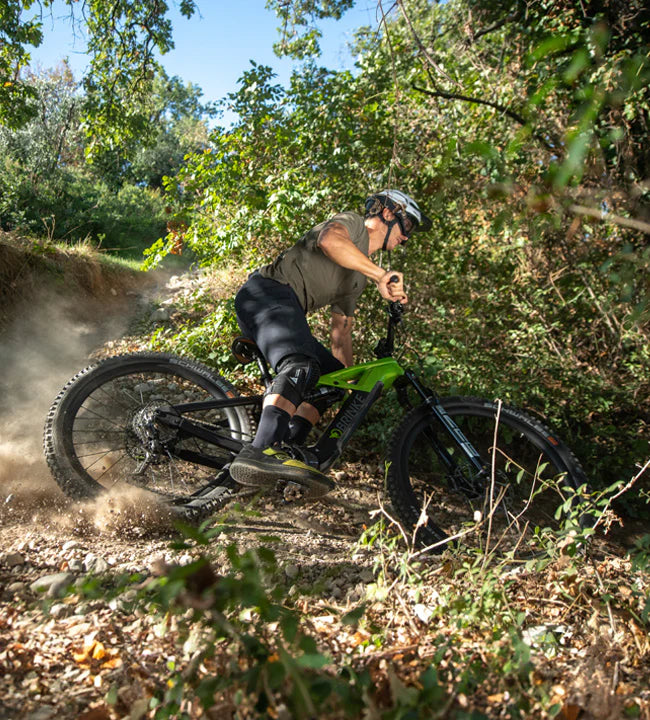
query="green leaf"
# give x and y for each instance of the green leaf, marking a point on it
(315, 661)
(353, 616)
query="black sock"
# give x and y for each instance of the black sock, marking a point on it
(299, 429)
(273, 426)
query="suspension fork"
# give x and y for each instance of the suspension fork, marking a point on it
(432, 401)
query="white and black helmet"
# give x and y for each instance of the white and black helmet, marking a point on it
(400, 204)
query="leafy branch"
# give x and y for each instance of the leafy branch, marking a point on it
(518, 118)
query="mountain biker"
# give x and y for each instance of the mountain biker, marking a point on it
(329, 265)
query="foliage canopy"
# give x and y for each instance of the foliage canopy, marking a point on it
(122, 40)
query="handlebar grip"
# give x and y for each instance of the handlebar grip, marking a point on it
(393, 279)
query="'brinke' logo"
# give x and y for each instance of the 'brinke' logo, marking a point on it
(356, 402)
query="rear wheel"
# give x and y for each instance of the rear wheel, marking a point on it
(102, 430)
(534, 473)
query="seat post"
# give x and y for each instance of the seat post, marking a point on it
(264, 369)
(246, 350)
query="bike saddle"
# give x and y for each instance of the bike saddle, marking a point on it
(244, 349)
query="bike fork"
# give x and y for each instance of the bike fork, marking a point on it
(450, 427)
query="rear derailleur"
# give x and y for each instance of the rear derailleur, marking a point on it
(149, 441)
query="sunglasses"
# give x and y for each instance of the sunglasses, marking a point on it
(406, 225)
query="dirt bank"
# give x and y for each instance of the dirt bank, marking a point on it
(56, 307)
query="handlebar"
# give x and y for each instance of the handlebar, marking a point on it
(385, 346)
(395, 307)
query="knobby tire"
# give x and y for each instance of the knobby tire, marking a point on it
(93, 437)
(535, 474)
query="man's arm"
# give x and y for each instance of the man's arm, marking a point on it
(335, 243)
(341, 336)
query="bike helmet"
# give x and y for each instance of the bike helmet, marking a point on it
(411, 219)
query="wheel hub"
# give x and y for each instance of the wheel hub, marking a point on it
(468, 482)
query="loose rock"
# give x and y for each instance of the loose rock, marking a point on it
(53, 585)
(291, 571)
(94, 564)
(13, 559)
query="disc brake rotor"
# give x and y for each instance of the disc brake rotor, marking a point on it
(466, 481)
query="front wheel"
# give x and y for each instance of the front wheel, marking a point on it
(102, 431)
(528, 473)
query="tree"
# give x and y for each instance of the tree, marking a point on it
(328, 145)
(46, 183)
(35, 155)
(298, 29)
(123, 36)
(15, 34)
(52, 137)
(175, 123)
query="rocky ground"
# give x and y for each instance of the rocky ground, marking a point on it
(67, 652)
(48, 543)
(58, 650)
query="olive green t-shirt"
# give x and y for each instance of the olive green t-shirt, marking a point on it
(317, 280)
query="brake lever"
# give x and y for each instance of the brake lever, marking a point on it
(385, 346)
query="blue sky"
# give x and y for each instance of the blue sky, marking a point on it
(215, 46)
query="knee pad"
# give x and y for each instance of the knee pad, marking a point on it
(297, 374)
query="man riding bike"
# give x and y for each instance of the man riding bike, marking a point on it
(329, 265)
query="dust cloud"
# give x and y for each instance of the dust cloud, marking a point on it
(47, 344)
(52, 339)
(125, 512)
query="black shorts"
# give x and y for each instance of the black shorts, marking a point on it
(270, 313)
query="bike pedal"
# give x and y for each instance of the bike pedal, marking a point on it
(293, 491)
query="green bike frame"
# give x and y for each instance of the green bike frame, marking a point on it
(364, 377)
(365, 382)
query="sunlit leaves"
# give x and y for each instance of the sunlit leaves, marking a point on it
(298, 29)
(293, 156)
(16, 33)
(123, 41)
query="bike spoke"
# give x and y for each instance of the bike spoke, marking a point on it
(103, 429)
(108, 469)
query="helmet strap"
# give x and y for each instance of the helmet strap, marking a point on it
(389, 227)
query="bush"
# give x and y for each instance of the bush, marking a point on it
(71, 205)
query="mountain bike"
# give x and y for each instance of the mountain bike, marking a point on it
(455, 466)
